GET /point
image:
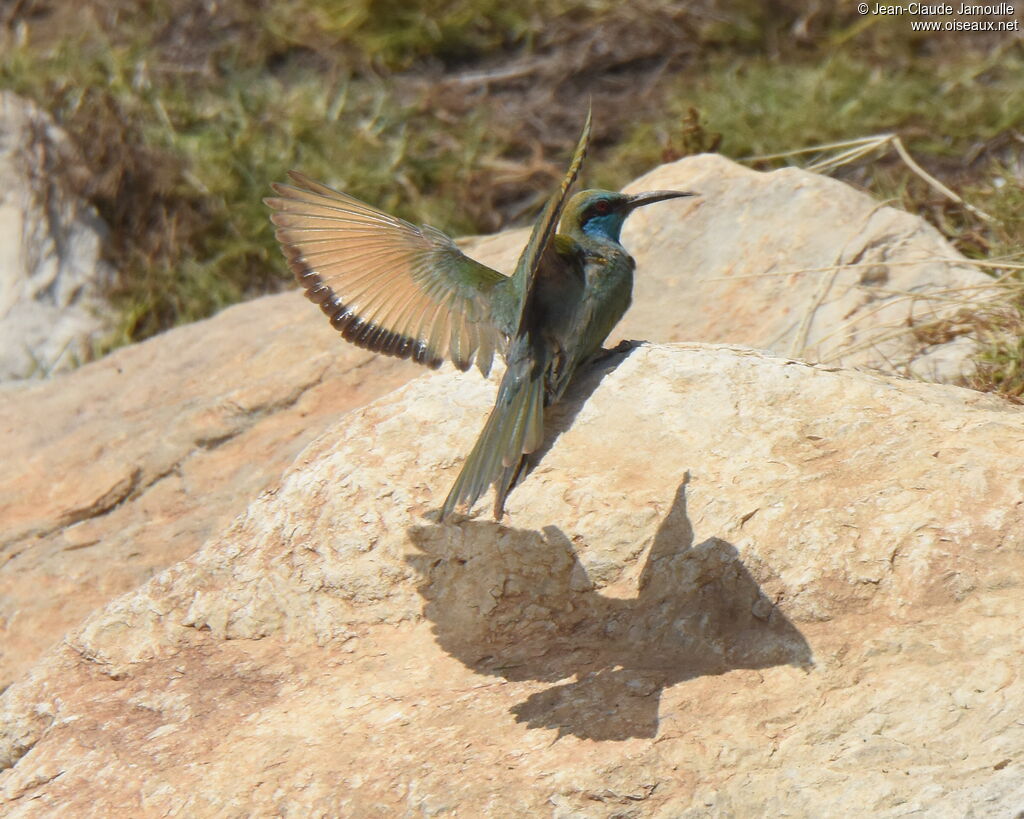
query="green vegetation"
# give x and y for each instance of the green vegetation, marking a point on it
(459, 114)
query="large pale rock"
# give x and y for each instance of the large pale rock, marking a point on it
(52, 274)
(131, 463)
(793, 262)
(734, 585)
(128, 464)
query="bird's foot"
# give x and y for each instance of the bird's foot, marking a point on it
(621, 348)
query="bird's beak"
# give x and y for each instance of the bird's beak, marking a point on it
(649, 198)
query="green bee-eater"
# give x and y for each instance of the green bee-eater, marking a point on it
(408, 291)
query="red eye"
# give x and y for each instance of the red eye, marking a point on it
(603, 206)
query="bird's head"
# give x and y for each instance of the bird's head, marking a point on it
(601, 213)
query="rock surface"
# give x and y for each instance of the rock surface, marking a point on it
(52, 274)
(792, 262)
(734, 585)
(128, 464)
(132, 462)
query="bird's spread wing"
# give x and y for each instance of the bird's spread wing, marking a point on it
(546, 225)
(386, 284)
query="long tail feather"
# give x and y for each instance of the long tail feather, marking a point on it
(509, 477)
(510, 432)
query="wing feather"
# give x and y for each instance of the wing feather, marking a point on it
(385, 284)
(544, 228)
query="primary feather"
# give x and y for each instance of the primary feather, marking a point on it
(384, 283)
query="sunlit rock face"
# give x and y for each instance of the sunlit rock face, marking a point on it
(732, 581)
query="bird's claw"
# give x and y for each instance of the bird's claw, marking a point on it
(621, 348)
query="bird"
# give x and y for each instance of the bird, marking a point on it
(408, 291)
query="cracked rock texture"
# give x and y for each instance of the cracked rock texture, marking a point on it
(735, 579)
(52, 274)
(128, 464)
(734, 585)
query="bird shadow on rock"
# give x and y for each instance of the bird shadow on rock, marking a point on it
(519, 604)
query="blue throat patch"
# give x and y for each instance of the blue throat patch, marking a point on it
(608, 226)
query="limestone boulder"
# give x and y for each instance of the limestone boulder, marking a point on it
(128, 464)
(52, 272)
(792, 262)
(735, 584)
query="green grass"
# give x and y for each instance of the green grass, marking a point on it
(761, 106)
(184, 169)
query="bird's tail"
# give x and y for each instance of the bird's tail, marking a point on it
(515, 427)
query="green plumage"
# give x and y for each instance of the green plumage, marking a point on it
(408, 291)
